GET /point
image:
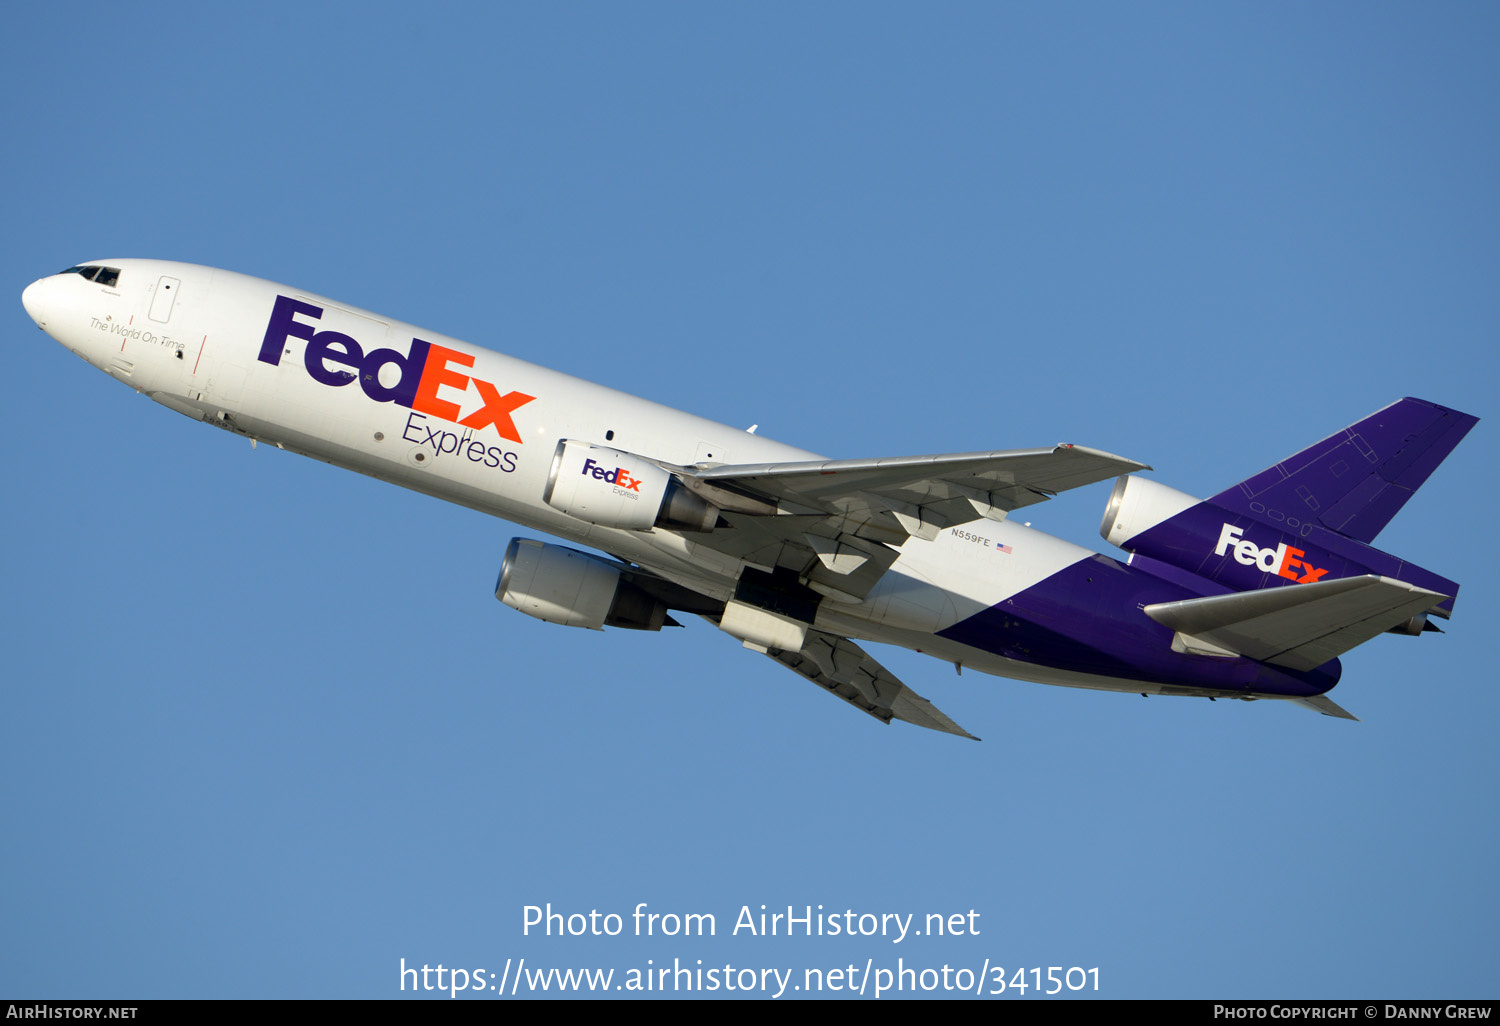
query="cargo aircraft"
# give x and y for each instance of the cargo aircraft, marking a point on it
(1251, 594)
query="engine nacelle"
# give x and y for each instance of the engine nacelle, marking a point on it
(619, 489)
(1138, 504)
(563, 585)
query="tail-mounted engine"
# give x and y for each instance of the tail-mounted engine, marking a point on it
(1138, 504)
(619, 489)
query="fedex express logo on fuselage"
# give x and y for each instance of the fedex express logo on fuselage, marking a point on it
(1283, 560)
(334, 358)
(619, 477)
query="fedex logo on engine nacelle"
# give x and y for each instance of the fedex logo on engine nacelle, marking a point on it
(619, 477)
(420, 372)
(1283, 560)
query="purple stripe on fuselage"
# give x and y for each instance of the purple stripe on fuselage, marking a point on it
(1087, 618)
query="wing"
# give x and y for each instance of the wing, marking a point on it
(835, 521)
(842, 668)
(1327, 706)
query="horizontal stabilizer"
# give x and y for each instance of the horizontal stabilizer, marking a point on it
(847, 671)
(1300, 626)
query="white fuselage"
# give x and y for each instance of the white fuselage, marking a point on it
(196, 339)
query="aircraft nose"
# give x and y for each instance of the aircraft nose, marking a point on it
(34, 299)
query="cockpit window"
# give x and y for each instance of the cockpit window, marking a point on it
(108, 276)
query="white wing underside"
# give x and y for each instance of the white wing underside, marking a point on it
(838, 523)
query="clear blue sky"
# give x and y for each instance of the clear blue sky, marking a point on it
(267, 732)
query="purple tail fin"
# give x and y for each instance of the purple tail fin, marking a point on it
(1355, 481)
(1309, 518)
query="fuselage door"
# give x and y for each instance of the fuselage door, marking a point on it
(163, 298)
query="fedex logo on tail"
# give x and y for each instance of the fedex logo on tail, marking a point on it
(336, 359)
(1283, 560)
(619, 477)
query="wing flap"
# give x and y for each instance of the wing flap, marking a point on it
(842, 668)
(1300, 626)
